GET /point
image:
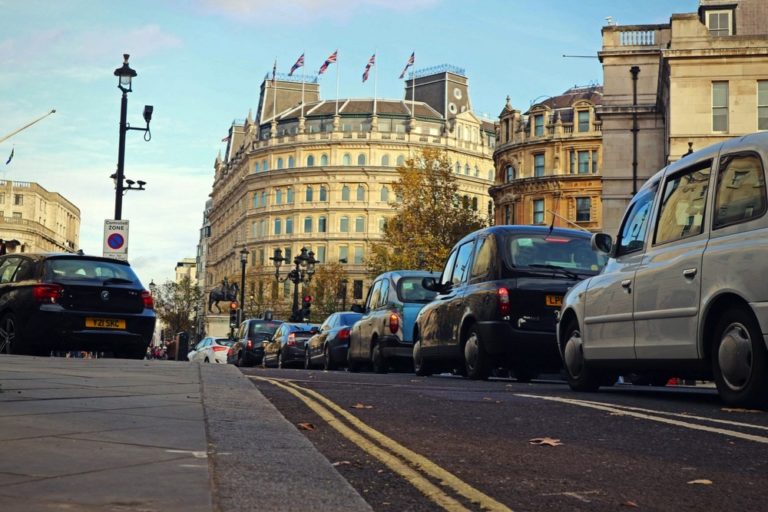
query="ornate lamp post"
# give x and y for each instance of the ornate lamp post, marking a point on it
(243, 260)
(302, 273)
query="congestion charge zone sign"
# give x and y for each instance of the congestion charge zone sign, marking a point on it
(116, 239)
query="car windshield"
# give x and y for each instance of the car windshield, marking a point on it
(264, 327)
(86, 269)
(556, 252)
(409, 289)
(224, 341)
(349, 318)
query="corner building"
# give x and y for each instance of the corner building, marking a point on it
(320, 175)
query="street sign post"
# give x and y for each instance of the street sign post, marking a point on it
(116, 239)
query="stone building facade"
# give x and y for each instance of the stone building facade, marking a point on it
(548, 162)
(686, 84)
(33, 219)
(319, 175)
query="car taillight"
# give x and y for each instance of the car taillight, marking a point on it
(230, 351)
(291, 340)
(149, 302)
(343, 334)
(394, 323)
(249, 345)
(504, 306)
(220, 348)
(49, 293)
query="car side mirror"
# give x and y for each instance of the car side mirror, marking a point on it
(357, 308)
(602, 242)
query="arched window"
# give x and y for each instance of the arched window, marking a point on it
(360, 225)
(400, 161)
(291, 162)
(324, 160)
(345, 193)
(256, 200)
(262, 227)
(280, 163)
(289, 196)
(361, 159)
(323, 193)
(309, 194)
(278, 196)
(384, 194)
(458, 168)
(385, 161)
(256, 167)
(477, 171)
(278, 226)
(288, 225)
(382, 223)
(264, 165)
(360, 193)
(474, 203)
(264, 198)
(510, 173)
(466, 169)
(310, 161)
(307, 224)
(346, 159)
(322, 226)
(344, 224)
(465, 201)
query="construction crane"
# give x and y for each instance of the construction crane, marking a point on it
(6, 137)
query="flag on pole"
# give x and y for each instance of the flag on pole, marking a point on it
(299, 63)
(371, 62)
(410, 62)
(10, 157)
(330, 60)
(225, 139)
(274, 72)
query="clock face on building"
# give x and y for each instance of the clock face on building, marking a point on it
(457, 93)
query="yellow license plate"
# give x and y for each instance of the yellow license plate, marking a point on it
(104, 323)
(554, 300)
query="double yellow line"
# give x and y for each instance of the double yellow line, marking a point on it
(401, 460)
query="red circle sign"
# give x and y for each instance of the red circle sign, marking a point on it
(115, 241)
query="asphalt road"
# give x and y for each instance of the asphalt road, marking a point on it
(445, 443)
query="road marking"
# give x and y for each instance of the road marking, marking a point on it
(391, 460)
(659, 419)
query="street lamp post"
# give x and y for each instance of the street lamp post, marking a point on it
(302, 273)
(243, 261)
(125, 75)
(344, 294)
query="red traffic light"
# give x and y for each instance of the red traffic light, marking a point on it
(233, 305)
(307, 299)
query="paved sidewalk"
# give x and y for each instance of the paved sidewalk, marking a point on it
(122, 435)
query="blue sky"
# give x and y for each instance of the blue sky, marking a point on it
(200, 64)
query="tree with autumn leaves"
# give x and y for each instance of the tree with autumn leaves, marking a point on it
(429, 216)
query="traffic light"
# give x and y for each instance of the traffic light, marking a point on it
(306, 307)
(233, 314)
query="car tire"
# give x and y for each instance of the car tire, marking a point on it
(9, 334)
(476, 360)
(239, 360)
(328, 364)
(307, 360)
(378, 361)
(421, 367)
(579, 375)
(739, 360)
(352, 365)
(280, 362)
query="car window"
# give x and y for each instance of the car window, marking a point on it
(409, 289)
(25, 270)
(461, 269)
(8, 268)
(482, 266)
(373, 295)
(683, 202)
(328, 324)
(384, 293)
(83, 268)
(740, 190)
(445, 278)
(348, 318)
(263, 327)
(634, 228)
(542, 251)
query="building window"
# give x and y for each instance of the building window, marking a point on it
(583, 162)
(16, 215)
(720, 106)
(474, 203)
(256, 167)
(291, 162)
(264, 165)
(719, 23)
(538, 211)
(572, 168)
(287, 253)
(343, 254)
(385, 161)
(287, 289)
(322, 226)
(278, 226)
(323, 193)
(359, 224)
(490, 175)
(400, 161)
(289, 196)
(345, 193)
(307, 224)
(256, 200)
(320, 256)
(360, 193)
(382, 224)
(346, 159)
(358, 256)
(344, 224)
(357, 289)
(384, 194)
(261, 259)
(324, 160)
(264, 198)
(538, 125)
(310, 161)
(262, 227)
(2, 198)
(278, 196)
(538, 165)
(279, 163)
(583, 120)
(289, 225)
(18, 199)
(594, 161)
(308, 195)
(762, 105)
(583, 208)
(361, 159)
(510, 175)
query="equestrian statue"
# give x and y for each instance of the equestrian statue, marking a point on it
(225, 291)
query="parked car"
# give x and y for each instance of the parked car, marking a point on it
(384, 333)
(210, 350)
(286, 347)
(62, 302)
(248, 348)
(328, 348)
(683, 293)
(497, 301)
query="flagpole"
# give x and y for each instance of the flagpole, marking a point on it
(337, 83)
(274, 92)
(302, 83)
(375, 81)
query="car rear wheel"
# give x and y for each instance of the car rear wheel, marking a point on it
(580, 376)
(328, 363)
(239, 361)
(476, 360)
(378, 362)
(420, 366)
(739, 360)
(307, 360)
(8, 334)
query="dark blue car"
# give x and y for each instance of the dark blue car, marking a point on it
(328, 348)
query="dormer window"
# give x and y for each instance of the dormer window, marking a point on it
(583, 117)
(538, 125)
(719, 23)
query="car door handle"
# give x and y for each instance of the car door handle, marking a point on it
(690, 273)
(626, 284)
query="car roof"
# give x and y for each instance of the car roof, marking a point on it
(397, 274)
(516, 229)
(66, 255)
